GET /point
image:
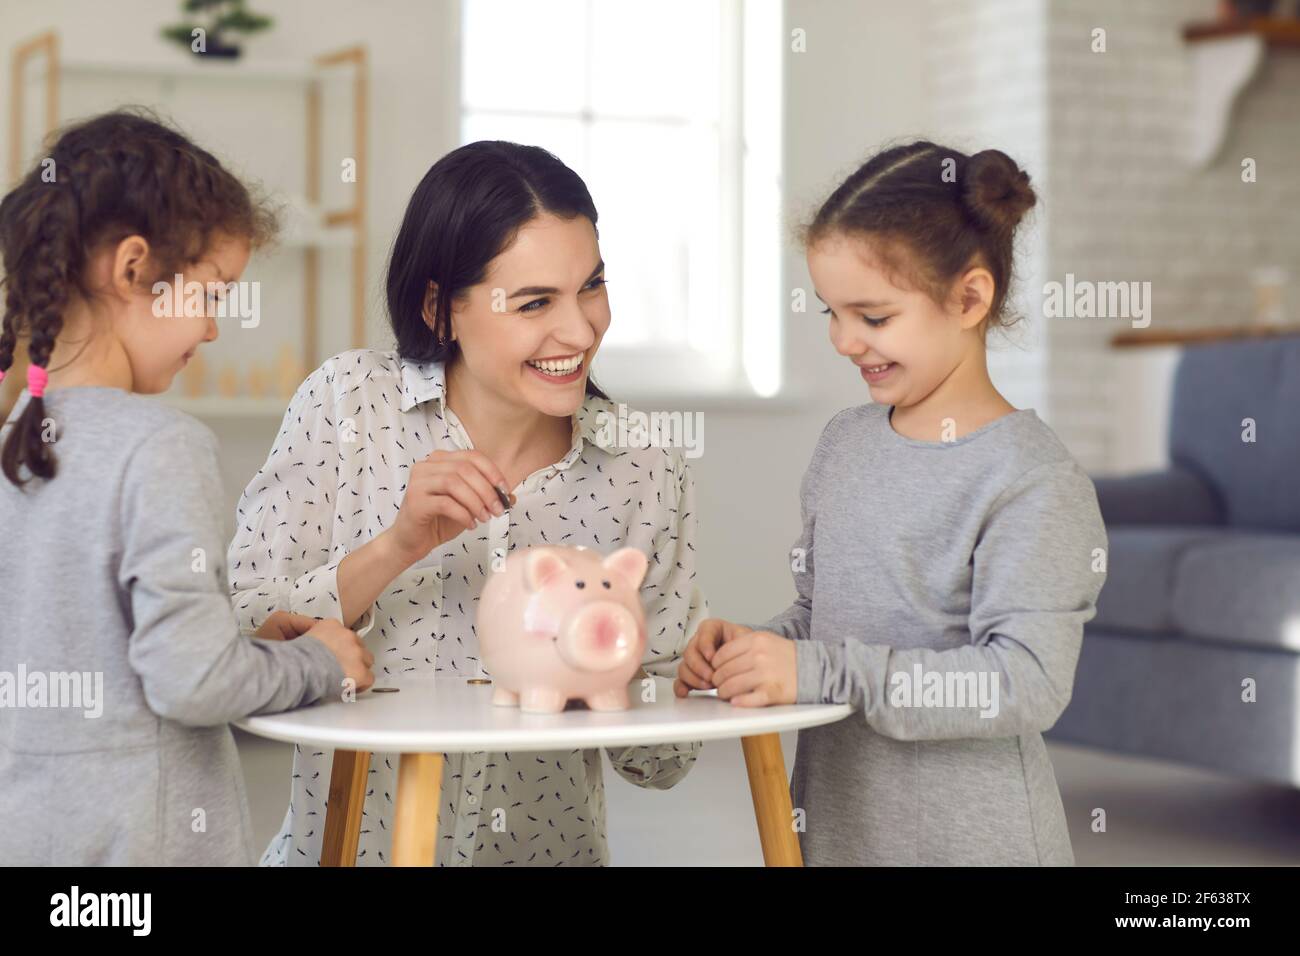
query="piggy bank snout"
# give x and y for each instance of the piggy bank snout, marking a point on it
(599, 637)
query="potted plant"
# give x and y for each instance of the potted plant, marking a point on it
(210, 34)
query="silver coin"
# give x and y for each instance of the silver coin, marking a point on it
(385, 690)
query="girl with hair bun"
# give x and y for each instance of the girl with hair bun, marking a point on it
(951, 549)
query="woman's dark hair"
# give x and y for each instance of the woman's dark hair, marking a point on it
(930, 212)
(116, 175)
(465, 212)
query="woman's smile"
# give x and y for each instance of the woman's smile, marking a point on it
(559, 370)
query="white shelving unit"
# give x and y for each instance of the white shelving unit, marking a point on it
(40, 60)
(218, 408)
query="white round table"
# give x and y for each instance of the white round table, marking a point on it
(427, 717)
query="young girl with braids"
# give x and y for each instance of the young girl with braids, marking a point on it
(121, 661)
(958, 548)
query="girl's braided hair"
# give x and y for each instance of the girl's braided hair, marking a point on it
(119, 174)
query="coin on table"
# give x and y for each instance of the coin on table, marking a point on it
(478, 680)
(384, 690)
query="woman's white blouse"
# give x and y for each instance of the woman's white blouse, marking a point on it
(335, 479)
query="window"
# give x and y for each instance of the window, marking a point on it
(671, 113)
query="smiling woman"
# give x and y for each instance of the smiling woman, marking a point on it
(380, 504)
(491, 189)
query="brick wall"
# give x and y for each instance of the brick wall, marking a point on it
(1104, 135)
(987, 89)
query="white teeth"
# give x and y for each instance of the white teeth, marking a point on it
(879, 368)
(559, 366)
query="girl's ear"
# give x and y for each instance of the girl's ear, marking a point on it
(431, 308)
(129, 259)
(975, 289)
(430, 304)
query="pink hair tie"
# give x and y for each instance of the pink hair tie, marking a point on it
(37, 378)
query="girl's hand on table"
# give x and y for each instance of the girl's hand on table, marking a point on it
(756, 669)
(447, 493)
(696, 671)
(353, 656)
(285, 626)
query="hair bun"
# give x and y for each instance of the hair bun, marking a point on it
(996, 191)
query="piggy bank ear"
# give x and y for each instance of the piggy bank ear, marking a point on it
(540, 567)
(628, 563)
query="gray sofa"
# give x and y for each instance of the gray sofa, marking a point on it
(1203, 589)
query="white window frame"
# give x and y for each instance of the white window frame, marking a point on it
(751, 296)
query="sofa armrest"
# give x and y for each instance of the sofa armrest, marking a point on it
(1175, 497)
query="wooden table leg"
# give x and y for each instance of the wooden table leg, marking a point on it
(343, 809)
(771, 792)
(415, 826)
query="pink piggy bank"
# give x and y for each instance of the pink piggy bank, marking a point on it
(559, 623)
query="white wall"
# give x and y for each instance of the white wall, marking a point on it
(1103, 136)
(1128, 207)
(987, 90)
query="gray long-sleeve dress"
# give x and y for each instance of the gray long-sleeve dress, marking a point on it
(121, 660)
(945, 571)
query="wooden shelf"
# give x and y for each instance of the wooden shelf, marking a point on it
(42, 59)
(240, 406)
(1144, 338)
(1225, 56)
(1274, 31)
(195, 68)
